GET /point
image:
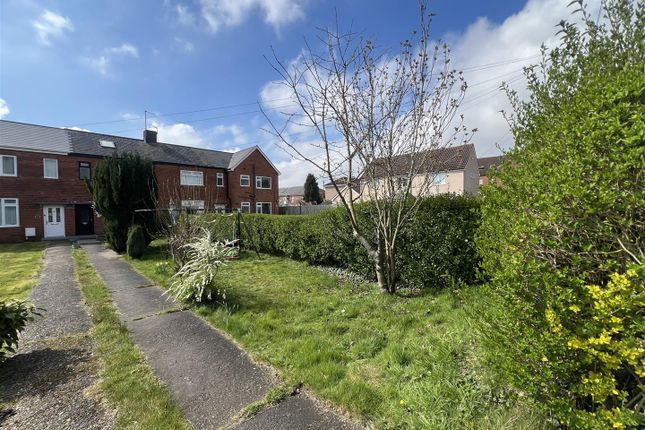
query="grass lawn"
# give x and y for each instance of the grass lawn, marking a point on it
(140, 399)
(408, 361)
(21, 264)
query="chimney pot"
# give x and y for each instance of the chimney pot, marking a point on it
(149, 136)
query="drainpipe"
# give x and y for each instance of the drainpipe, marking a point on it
(227, 185)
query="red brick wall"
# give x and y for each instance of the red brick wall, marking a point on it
(168, 176)
(254, 165)
(33, 191)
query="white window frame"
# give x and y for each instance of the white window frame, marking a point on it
(45, 160)
(185, 174)
(248, 181)
(196, 205)
(3, 205)
(258, 182)
(220, 179)
(15, 165)
(259, 205)
(443, 181)
(247, 205)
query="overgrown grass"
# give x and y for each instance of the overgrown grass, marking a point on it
(407, 361)
(140, 399)
(21, 264)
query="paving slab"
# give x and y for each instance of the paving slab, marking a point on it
(208, 375)
(296, 413)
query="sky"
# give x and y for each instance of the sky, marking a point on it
(199, 69)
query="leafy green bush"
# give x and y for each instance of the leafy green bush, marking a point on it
(439, 241)
(195, 280)
(122, 184)
(136, 245)
(13, 319)
(563, 223)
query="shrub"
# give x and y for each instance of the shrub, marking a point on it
(13, 319)
(121, 184)
(195, 280)
(439, 240)
(136, 245)
(563, 223)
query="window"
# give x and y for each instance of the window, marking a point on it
(9, 213)
(245, 207)
(84, 170)
(220, 179)
(8, 167)
(190, 177)
(245, 181)
(439, 179)
(107, 144)
(219, 208)
(401, 182)
(50, 166)
(263, 208)
(193, 205)
(263, 182)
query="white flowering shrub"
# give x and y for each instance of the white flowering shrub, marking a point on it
(195, 279)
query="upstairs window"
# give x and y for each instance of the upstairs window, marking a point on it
(263, 182)
(190, 177)
(220, 179)
(50, 166)
(84, 170)
(440, 179)
(9, 213)
(245, 181)
(8, 165)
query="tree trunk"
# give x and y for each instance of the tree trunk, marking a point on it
(381, 271)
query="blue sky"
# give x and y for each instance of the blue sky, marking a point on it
(79, 63)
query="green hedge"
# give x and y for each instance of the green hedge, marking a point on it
(437, 245)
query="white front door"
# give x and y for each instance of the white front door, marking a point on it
(54, 217)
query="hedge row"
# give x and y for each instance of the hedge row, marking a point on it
(438, 243)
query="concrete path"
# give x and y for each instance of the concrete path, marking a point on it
(210, 377)
(48, 382)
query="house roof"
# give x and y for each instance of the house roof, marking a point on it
(436, 160)
(32, 137)
(294, 191)
(485, 163)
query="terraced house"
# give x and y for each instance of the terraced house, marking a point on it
(43, 170)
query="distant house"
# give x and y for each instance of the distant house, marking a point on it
(293, 195)
(332, 196)
(43, 169)
(453, 170)
(485, 164)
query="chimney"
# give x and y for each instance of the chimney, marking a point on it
(149, 136)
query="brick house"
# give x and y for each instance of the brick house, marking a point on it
(485, 164)
(43, 171)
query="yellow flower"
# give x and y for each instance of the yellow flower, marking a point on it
(402, 402)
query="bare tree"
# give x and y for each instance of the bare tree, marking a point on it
(378, 118)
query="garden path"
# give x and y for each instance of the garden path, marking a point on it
(209, 376)
(48, 382)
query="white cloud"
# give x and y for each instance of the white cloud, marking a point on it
(184, 15)
(51, 24)
(231, 137)
(77, 128)
(4, 108)
(125, 49)
(519, 36)
(99, 64)
(179, 134)
(230, 13)
(184, 44)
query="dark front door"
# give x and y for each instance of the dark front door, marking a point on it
(84, 220)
